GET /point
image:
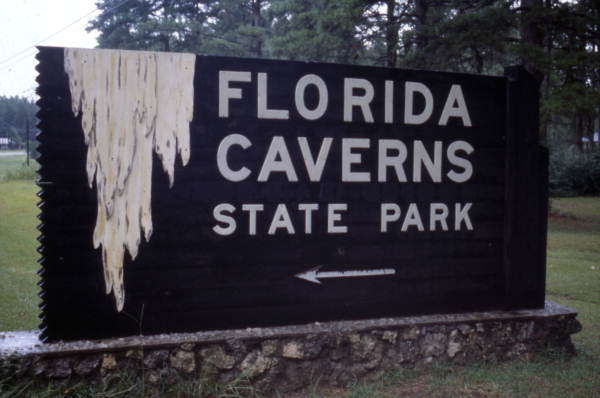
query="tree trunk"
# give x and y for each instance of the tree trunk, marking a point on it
(532, 40)
(579, 130)
(164, 37)
(257, 22)
(532, 37)
(421, 8)
(478, 60)
(546, 118)
(421, 40)
(391, 34)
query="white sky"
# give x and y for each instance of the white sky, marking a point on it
(26, 23)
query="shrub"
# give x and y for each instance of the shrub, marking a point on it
(21, 173)
(573, 172)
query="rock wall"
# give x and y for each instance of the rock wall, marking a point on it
(292, 358)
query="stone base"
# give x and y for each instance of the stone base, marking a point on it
(292, 357)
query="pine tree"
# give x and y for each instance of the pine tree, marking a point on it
(15, 113)
(557, 41)
(237, 28)
(462, 36)
(316, 30)
(164, 25)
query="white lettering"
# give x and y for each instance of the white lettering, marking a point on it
(385, 160)
(305, 81)
(315, 168)
(462, 214)
(308, 209)
(226, 92)
(333, 215)
(281, 219)
(276, 150)
(421, 157)
(349, 158)
(229, 221)
(362, 101)
(413, 218)
(252, 209)
(465, 164)
(438, 212)
(410, 89)
(460, 110)
(223, 165)
(389, 102)
(263, 112)
(390, 212)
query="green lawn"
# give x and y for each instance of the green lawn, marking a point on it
(10, 163)
(14, 167)
(18, 261)
(573, 264)
(573, 280)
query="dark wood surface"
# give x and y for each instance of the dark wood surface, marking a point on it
(188, 278)
(526, 196)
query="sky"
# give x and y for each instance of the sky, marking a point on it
(27, 23)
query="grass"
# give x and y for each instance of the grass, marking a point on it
(18, 259)
(573, 280)
(128, 385)
(14, 167)
(573, 264)
(10, 162)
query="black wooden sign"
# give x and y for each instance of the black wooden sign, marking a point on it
(183, 193)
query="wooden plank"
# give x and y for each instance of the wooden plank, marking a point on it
(187, 277)
(526, 196)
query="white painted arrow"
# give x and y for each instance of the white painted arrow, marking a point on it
(313, 275)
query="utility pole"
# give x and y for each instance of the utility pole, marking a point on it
(27, 140)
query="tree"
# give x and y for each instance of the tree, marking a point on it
(532, 37)
(460, 35)
(15, 114)
(557, 40)
(218, 27)
(237, 28)
(316, 30)
(165, 25)
(559, 46)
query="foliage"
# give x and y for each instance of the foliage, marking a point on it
(148, 24)
(316, 30)
(559, 41)
(573, 172)
(21, 173)
(9, 164)
(472, 37)
(222, 27)
(237, 28)
(14, 168)
(570, 60)
(15, 112)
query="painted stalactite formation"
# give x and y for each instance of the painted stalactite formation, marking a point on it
(131, 103)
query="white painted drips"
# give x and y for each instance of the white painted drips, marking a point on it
(132, 103)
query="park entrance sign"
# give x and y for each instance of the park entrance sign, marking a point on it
(183, 193)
